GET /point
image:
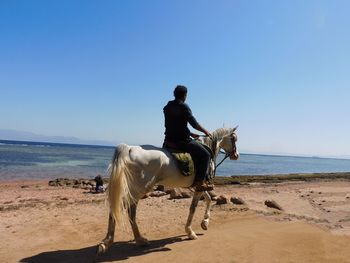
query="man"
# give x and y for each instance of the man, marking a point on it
(177, 135)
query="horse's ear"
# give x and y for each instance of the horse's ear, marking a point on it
(235, 128)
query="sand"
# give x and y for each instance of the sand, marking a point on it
(40, 223)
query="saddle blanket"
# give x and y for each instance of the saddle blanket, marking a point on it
(185, 163)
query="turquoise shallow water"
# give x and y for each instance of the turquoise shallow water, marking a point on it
(36, 160)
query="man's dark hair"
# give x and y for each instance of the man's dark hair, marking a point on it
(180, 91)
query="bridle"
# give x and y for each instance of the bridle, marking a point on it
(227, 154)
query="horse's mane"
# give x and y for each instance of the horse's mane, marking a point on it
(221, 132)
(217, 135)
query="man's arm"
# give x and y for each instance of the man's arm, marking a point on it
(192, 120)
(200, 128)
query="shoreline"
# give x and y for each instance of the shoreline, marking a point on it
(279, 178)
(225, 180)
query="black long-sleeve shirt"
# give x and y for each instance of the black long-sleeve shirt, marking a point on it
(177, 114)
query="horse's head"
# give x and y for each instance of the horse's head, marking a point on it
(228, 144)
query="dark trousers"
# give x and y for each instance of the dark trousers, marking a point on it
(200, 155)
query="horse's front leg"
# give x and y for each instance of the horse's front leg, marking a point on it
(205, 221)
(108, 240)
(191, 234)
(140, 240)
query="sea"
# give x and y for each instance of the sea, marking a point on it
(42, 160)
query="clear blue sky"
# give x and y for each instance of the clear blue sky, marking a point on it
(105, 69)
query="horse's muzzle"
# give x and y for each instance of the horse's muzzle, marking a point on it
(234, 156)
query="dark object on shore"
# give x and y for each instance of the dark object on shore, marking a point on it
(237, 201)
(175, 194)
(99, 184)
(75, 183)
(273, 204)
(222, 200)
(157, 194)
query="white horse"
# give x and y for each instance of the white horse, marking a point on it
(135, 170)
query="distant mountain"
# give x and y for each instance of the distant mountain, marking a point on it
(6, 134)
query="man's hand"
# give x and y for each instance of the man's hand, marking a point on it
(208, 134)
(194, 136)
(201, 129)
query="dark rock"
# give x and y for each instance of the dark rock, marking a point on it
(186, 193)
(237, 201)
(157, 194)
(168, 190)
(273, 204)
(75, 183)
(145, 196)
(175, 194)
(52, 183)
(221, 200)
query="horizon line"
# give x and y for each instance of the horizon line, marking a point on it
(244, 152)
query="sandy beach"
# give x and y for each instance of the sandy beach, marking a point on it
(42, 223)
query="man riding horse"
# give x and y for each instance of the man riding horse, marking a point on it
(177, 136)
(135, 170)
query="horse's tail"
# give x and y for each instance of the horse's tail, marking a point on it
(119, 195)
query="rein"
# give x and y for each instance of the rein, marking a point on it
(225, 157)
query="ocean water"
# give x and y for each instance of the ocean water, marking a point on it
(37, 160)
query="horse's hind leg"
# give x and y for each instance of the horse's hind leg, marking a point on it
(191, 234)
(140, 240)
(108, 240)
(205, 221)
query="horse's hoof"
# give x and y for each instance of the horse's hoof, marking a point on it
(193, 236)
(101, 249)
(142, 242)
(204, 225)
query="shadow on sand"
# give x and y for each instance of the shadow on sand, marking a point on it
(118, 251)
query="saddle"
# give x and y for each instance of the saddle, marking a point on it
(183, 159)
